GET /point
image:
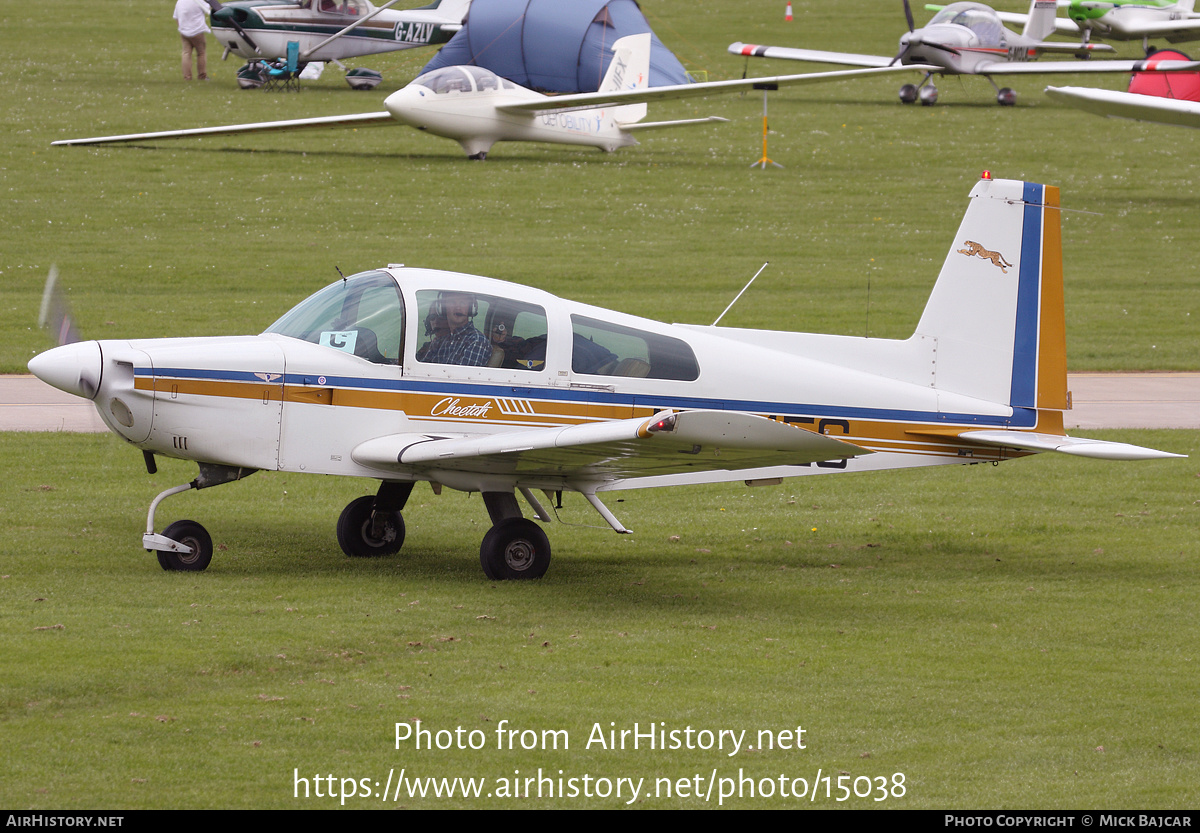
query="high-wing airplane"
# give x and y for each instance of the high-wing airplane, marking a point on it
(406, 375)
(1174, 20)
(331, 30)
(969, 39)
(477, 108)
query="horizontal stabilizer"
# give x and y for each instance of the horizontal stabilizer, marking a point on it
(688, 441)
(1078, 446)
(659, 125)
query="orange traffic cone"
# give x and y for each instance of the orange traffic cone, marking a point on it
(787, 15)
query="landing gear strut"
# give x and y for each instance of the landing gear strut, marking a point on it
(186, 545)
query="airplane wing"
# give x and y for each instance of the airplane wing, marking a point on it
(816, 56)
(356, 120)
(587, 101)
(1080, 67)
(667, 443)
(1129, 105)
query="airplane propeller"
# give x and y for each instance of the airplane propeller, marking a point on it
(905, 45)
(66, 373)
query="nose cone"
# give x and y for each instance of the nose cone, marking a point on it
(74, 368)
(405, 103)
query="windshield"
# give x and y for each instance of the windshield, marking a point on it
(462, 79)
(980, 19)
(362, 315)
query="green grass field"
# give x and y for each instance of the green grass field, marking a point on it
(1021, 636)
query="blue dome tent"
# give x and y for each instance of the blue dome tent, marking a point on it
(559, 46)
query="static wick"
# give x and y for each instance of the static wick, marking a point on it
(740, 294)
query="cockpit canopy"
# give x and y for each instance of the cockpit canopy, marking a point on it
(980, 19)
(463, 79)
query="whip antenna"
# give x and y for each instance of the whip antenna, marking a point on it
(739, 295)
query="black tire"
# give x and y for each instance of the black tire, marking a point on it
(354, 531)
(908, 93)
(1007, 97)
(515, 549)
(194, 536)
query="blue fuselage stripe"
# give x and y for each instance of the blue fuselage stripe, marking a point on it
(658, 401)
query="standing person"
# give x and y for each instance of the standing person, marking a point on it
(192, 28)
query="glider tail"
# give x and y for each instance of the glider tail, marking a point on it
(1040, 22)
(629, 70)
(996, 318)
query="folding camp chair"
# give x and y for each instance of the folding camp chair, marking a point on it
(285, 75)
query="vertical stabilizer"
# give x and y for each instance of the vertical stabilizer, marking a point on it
(454, 11)
(629, 70)
(1040, 23)
(996, 313)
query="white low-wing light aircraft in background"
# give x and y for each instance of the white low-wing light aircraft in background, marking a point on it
(407, 375)
(331, 30)
(969, 39)
(477, 108)
(1174, 20)
(1124, 105)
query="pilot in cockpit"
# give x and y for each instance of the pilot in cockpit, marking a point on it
(461, 343)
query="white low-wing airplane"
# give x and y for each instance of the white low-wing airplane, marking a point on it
(969, 39)
(477, 108)
(1129, 105)
(1174, 20)
(331, 30)
(407, 375)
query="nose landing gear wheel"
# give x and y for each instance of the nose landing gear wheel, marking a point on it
(190, 534)
(515, 549)
(360, 536)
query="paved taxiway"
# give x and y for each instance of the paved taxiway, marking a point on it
(1101, 400)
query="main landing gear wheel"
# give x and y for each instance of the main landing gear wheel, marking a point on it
(908, 93)
(928, 96)
(515, 549)
(364, 533)
(191, 534)
(1006, 97)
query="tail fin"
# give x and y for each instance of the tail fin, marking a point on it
(1188, 6)
(996, 314)
(454, 11)
(1040, 22)
(629, 70)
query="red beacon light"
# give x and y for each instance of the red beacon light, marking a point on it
(986, 175)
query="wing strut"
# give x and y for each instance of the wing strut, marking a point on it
(590, 494)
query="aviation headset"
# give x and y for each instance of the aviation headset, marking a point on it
(439, 307)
